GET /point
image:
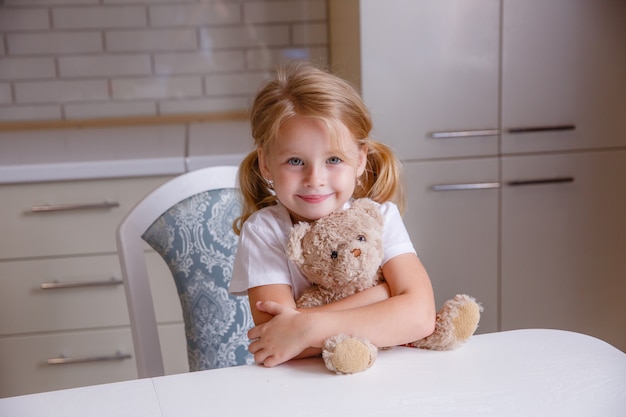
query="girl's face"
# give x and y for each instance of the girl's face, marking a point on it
(312, 176)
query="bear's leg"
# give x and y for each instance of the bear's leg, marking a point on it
(347, 355)
(456, 322)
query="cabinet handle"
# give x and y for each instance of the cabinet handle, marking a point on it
(469, 186)
(63, 360)
(45, 208)
(540, 181)
(464, 133)
(55, 285)
(535, 129)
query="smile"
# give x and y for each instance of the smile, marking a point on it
(314, 198)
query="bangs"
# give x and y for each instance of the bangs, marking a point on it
(342, 140)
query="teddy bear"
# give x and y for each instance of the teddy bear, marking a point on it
(341, 254)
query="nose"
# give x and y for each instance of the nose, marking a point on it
(314, 176)
(333, 254)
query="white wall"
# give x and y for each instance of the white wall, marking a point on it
(76, 59)
(71, 60)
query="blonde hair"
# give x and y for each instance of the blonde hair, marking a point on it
(302, 89)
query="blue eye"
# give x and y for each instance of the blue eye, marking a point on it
(295, 161)
(334, 160)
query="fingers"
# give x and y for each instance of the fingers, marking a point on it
(272, 342)
(254, 333)
(260, 355)
(270, 307)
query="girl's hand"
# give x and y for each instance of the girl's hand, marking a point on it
(279, 339)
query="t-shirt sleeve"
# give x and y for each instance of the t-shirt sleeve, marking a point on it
(260, 259)
(396, 239)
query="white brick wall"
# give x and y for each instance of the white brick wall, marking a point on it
(26, 68)
(54, 43)
(74, 59)
(60, 91)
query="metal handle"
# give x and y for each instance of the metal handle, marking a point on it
(468, 186)
(464, 133)
(45, 208)
(63, 360)
(79, 284)
(535, 129)
(540, 181)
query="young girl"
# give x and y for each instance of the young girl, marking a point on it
(313, 155)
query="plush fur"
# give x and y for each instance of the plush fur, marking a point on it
(340, 255)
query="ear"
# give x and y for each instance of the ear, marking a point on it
(362, 161)
(370, 208)
(294, 246)
(263, 166)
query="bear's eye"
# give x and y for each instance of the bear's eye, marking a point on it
(361, 238)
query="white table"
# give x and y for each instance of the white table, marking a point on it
(514, 373)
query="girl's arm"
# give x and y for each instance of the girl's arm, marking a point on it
(281, 294)
(408, 314)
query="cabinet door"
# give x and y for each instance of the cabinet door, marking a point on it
(455, 229)
(564, 243)
(432, 66)
(563, 75)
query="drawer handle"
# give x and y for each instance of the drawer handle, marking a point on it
(63, 360)
(540, 181)
(55, 285)
(464, 133)
(469, 186)
(46, 208)
(535, 129)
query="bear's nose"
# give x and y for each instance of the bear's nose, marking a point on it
(333, 254)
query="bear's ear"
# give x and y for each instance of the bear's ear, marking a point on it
(294, 246)
(369, 207)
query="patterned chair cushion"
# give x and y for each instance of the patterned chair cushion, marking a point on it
(196, 240)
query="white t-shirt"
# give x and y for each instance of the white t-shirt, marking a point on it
(262, 259)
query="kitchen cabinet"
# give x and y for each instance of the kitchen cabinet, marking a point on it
(429, 74)
(564, 243)
(63, 316)
(509, 118)
(428, 71)
(563, 72)
(453, 221)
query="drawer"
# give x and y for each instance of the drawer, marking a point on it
(27, 308)
(25, 368)
(84, 218)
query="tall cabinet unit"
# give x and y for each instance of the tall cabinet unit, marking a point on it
(564, 162)
(428, 71)
(509, 118)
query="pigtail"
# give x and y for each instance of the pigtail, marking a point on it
(382, 179)
(254, 190)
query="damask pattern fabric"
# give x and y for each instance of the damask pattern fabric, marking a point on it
(196, 240)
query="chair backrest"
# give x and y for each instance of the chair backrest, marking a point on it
(188, 221)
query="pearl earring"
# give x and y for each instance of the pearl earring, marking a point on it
(270, 184)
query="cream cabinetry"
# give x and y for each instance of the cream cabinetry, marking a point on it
(63, 315)
(563, 75)
(428, 71)
(564, 243)
(452, 217)
(509, 117)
